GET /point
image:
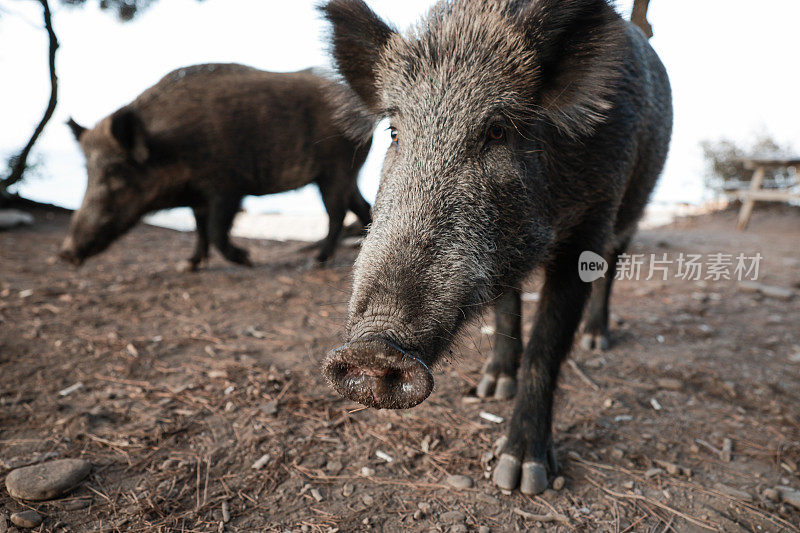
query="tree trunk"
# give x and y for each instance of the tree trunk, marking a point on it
(19, 163)
(639, 16)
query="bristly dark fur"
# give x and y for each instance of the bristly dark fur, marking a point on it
(525, 132)
(358, 36)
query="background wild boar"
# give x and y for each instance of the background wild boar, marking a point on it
(207, 135)
(524, 133)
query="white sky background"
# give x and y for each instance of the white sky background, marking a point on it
(732, 66)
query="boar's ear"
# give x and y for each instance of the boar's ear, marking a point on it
(577, 46)
(77, 129)
(357, 40)
(128, 130)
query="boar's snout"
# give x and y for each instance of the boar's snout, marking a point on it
(377, 373)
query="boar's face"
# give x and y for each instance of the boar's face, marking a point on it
(463, 208)
(116, 194)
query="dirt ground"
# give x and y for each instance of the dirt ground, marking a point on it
(190, 379)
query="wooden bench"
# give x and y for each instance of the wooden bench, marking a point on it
(755, 193)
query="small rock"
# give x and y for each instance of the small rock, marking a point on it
(653, 472)
(47, 481)
(367, 499)
(3, 523)
(10, 218)
(727, 450)
(559, 482)
(781, 293)
(790, 496)
(334, 467)
(772, 494)
(261, 462)
(27, 519)
(460, 482)
(670, 384)
(316, 495)
(484, 529)
(671, 468)
(453, 517)
(771, 291)
(75, 505)
(418, 515)
(458, 528)
(795, 358)
(367, 471)
(628, 485)
(226, 512)
(348, 490)
(423, 506)
(733, 492)
(269, 408)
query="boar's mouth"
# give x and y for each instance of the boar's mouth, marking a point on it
(377, 373)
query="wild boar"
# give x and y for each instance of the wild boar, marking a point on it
(207, 135)
(523, 134)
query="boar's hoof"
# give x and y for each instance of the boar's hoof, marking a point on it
(501, 388)
(70, 257)
(507, 472)
(486, 386)
(186, 266)
(534, 478)
(529, 476)
(376, 373)
(595, 342)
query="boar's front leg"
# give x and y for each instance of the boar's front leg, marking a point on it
(223, 209)
(336, 201)
(528, 452)
(500, 371)
(200, 253)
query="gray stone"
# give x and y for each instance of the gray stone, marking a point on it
(10, 218)
(460, 482)
(653, 472)
(772, 494)
(790, 496)
(453, 517)
(484, 529)
(75, 505)
(670, 384)
(334, 467)
(27, 519)
(559, 482)
(47, 481)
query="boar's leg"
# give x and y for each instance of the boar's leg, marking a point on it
(223, 209)
(500, 371)
(595, 329)
(360, 207)
(335, 200)
(528, 452)
(200, 253)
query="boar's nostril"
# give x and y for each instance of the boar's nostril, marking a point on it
(377, 374)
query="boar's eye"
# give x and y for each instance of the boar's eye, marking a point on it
(394, 134)
(496, 133)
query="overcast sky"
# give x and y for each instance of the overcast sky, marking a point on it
(732, 65)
